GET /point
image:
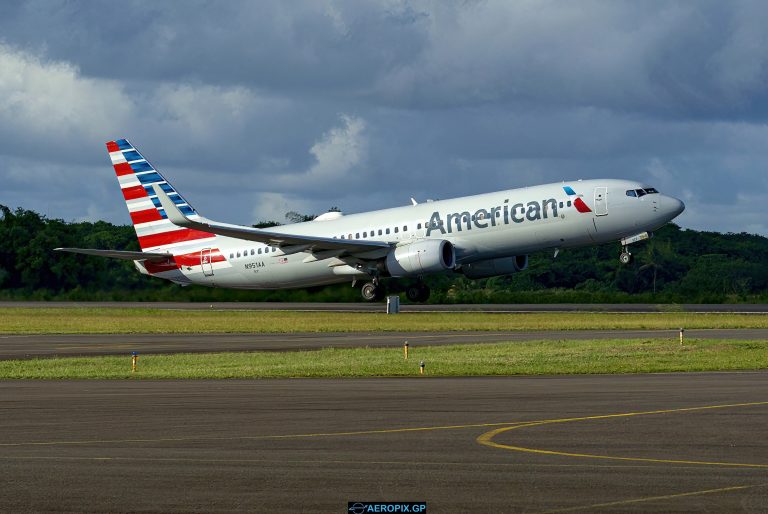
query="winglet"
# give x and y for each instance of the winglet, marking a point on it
(173, 212)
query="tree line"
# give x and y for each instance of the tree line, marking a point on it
(677, 265)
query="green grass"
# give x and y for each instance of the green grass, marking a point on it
(529, 358)
(156, 321)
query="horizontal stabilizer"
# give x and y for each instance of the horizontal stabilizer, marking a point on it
(119, 254)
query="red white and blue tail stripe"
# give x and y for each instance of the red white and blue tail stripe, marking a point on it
(155, 232)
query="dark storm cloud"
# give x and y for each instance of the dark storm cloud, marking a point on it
(255, 108)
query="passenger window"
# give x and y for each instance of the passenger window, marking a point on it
(569, 203)
(397, 230)
(231, 255)
(561, 206)
(238, 254)
(253, 252)
(405, 228)
(387, 231)
(349, 236)
(418, 227)
(365, 234)
(379, 231)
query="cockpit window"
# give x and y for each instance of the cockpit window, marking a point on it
(637, 193)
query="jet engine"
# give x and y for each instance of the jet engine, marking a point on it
(420, 257)
(495, 267)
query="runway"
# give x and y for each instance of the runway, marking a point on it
(379, 307)
(29, 346)
(627, 443)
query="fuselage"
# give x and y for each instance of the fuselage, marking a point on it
(480, 227)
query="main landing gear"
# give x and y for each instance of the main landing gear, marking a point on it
(418, 292)
(373, 290)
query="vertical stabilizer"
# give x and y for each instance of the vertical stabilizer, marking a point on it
(155, 232)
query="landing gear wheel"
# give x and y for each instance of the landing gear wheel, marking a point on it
(625, 257)
(372, 292)
(417, 293)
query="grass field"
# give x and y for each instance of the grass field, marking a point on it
(155, 321)
(529, 358)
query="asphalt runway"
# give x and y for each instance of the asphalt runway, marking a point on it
(626, 443)
(29, 346)
(379, 307)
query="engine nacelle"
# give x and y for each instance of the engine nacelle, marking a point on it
(419, 257)
(495, 267)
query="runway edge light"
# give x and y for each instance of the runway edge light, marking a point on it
(134, 361)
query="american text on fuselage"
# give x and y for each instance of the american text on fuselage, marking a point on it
(483, 218)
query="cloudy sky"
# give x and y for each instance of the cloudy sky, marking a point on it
(252, 109)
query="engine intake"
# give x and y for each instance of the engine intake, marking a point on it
(419, 257)
(495, 267)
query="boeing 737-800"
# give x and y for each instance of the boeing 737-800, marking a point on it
(479, 236)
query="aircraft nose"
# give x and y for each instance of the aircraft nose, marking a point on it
(673, 206)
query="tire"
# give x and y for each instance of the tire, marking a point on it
(417, 293)
(413, 293)
(424, 293)
(370, 292)
(625, 258)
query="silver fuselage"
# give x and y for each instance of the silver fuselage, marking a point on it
(480, 227)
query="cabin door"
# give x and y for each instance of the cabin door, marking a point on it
(601, 201)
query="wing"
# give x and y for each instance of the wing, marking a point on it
(287, 242)
(119, 254)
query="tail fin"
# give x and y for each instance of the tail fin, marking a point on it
(154, 230)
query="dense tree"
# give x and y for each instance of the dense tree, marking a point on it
(675, 266)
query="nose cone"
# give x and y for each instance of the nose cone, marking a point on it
(673, 207)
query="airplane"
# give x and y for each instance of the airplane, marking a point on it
(479, 236)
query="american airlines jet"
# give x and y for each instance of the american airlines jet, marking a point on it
(479, 236)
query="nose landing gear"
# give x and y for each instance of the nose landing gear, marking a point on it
(625, 257)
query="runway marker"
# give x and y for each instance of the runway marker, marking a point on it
(486, 439)
(265, 437)
(654, 498)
